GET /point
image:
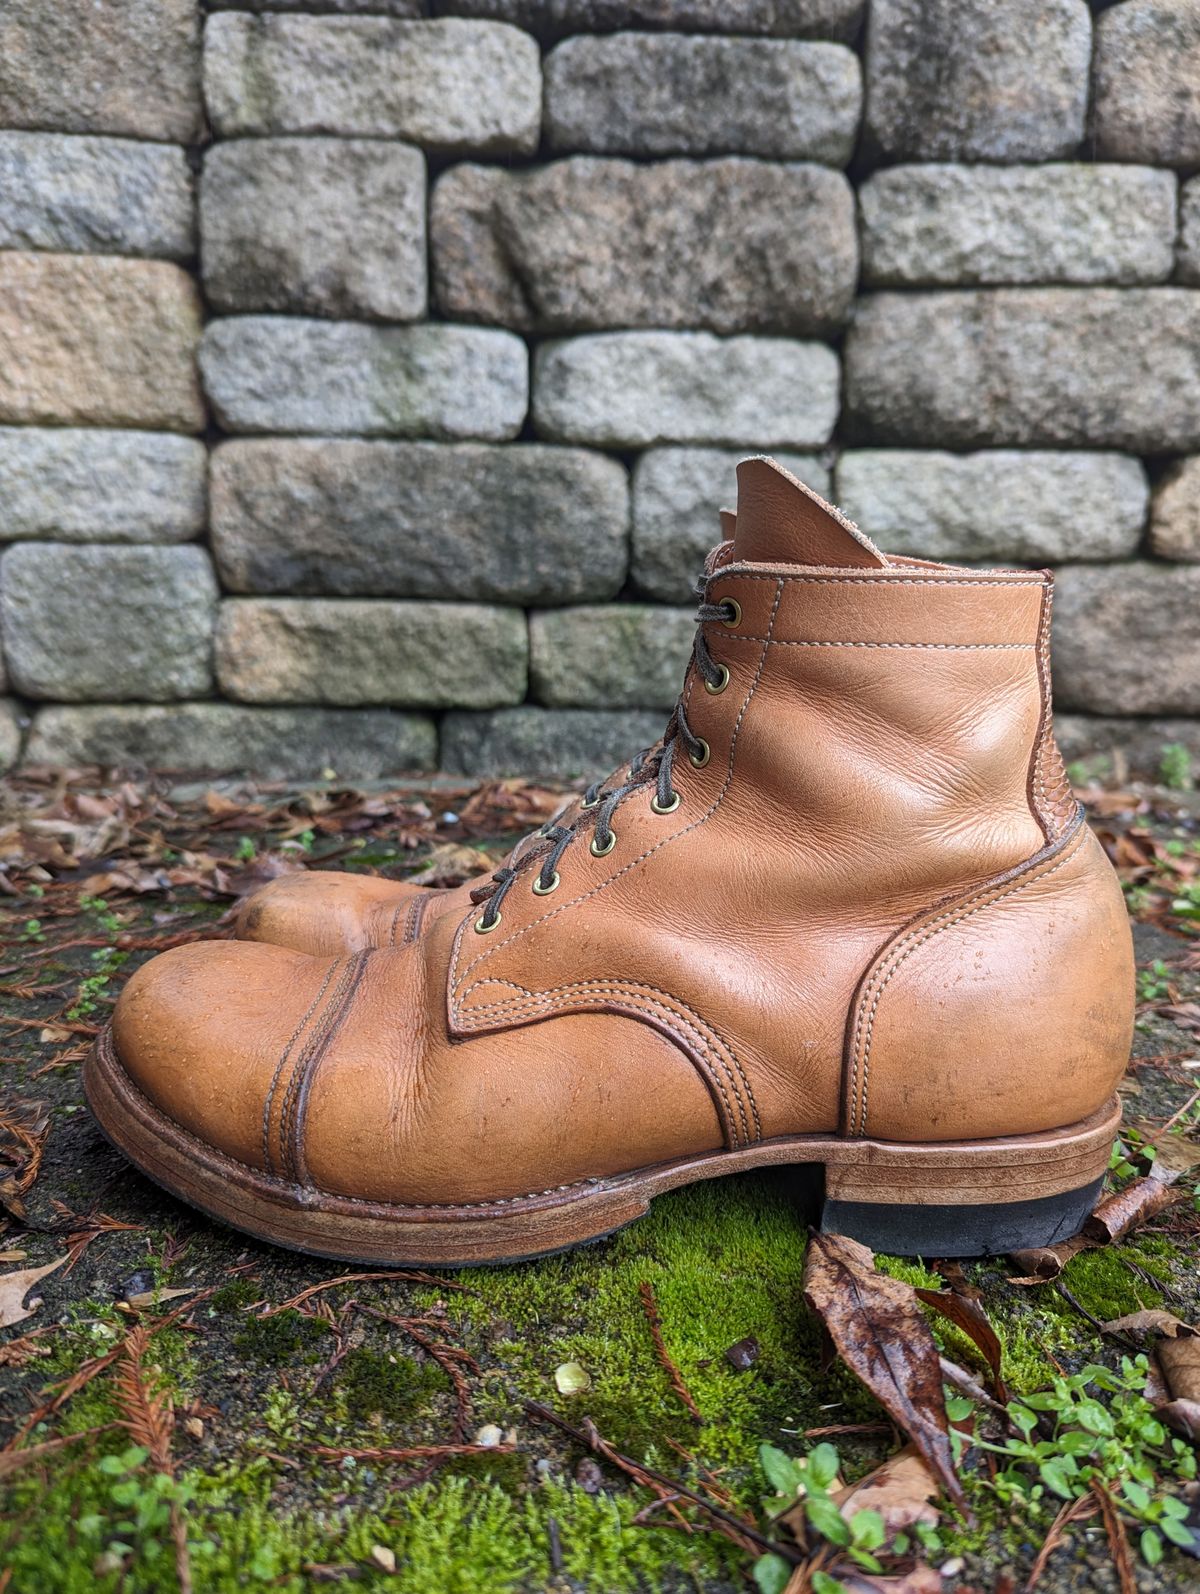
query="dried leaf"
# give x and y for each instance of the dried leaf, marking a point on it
(900, 1490)
(742, 1356)
(1179, 1359)
(145, 1298)
(921, 1579)
(1137, 1203)
(1181, 1415)
(1172, 1149)
(1153, 1321)
(968, 1315)
(1044, 1263)
(14, 1287)
(881, 1334)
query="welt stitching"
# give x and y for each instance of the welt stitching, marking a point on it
(634, 862)
(233, 1163)
(923, 933)
(881, 577)
(708, 1041)
(957, 647)
(315, 1040)
(283, 1057)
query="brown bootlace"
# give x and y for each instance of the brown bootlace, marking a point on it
(655, 763)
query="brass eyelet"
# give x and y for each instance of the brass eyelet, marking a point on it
(603, 852)
(539, 890)
(698, 760)
(735, 618)
(657, 808)
(716, 690)
(483, 928)
(584, 805)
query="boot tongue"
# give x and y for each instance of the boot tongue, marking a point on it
(781, 521)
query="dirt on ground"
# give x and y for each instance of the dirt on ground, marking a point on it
(181, 1407)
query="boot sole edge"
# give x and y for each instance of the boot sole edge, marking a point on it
(920, 1199)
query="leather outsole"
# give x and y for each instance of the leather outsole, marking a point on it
(910, 1199)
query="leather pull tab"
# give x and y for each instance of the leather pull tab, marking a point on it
(781, 521)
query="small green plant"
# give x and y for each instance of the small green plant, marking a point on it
(138, 1530)
(33, 931)
(246, 851)
(1175, 767)
(107, 920)
(808, 1482)
(1187, 904)
(94, 987)
(1152, 982)
(1121, 1445)
(36, 892)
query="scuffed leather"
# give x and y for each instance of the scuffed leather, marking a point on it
(325, 911)
(873, 761)
(1008, 1010)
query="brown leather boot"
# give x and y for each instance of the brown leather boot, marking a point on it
(847, 914)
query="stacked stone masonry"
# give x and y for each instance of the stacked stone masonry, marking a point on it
(371, 370)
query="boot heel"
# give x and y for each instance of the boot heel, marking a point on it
(941, 1200)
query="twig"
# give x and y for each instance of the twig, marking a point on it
(410, 1452)
(360, 1278)
(735, 1527)
(1173, 1119)
(1109, 1333)
(1084, 1506)
(1118, 1543)
(650, 1307)
(961, 1379)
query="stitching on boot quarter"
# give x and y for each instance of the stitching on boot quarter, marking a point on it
(918, 937)
(706, 1040)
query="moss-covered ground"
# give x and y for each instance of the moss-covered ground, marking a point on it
(256, 1392)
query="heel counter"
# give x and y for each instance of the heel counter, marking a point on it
(1009, 1011)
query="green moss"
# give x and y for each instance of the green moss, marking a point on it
(725, 1261)
(385, 1385)
(1105, 1286)
(233, 1296)
(282, 1337)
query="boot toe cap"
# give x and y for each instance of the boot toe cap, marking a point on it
(200, 1031)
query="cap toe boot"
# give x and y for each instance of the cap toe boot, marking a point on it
(845, 914)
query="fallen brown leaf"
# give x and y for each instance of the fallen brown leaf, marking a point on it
(146, 1298)
(1172, 1149)
(1179, 1358)
(1043, 1263)
(969, 1316)
(1152, 1321)
(900, 1490)
(1137, 1203)
(881, 1334)
(1181, 1415)
(921, 1579)
(14, 1287)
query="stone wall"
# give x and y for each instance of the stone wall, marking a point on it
(370, 370)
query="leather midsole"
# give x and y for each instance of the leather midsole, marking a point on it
(967, 1172)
